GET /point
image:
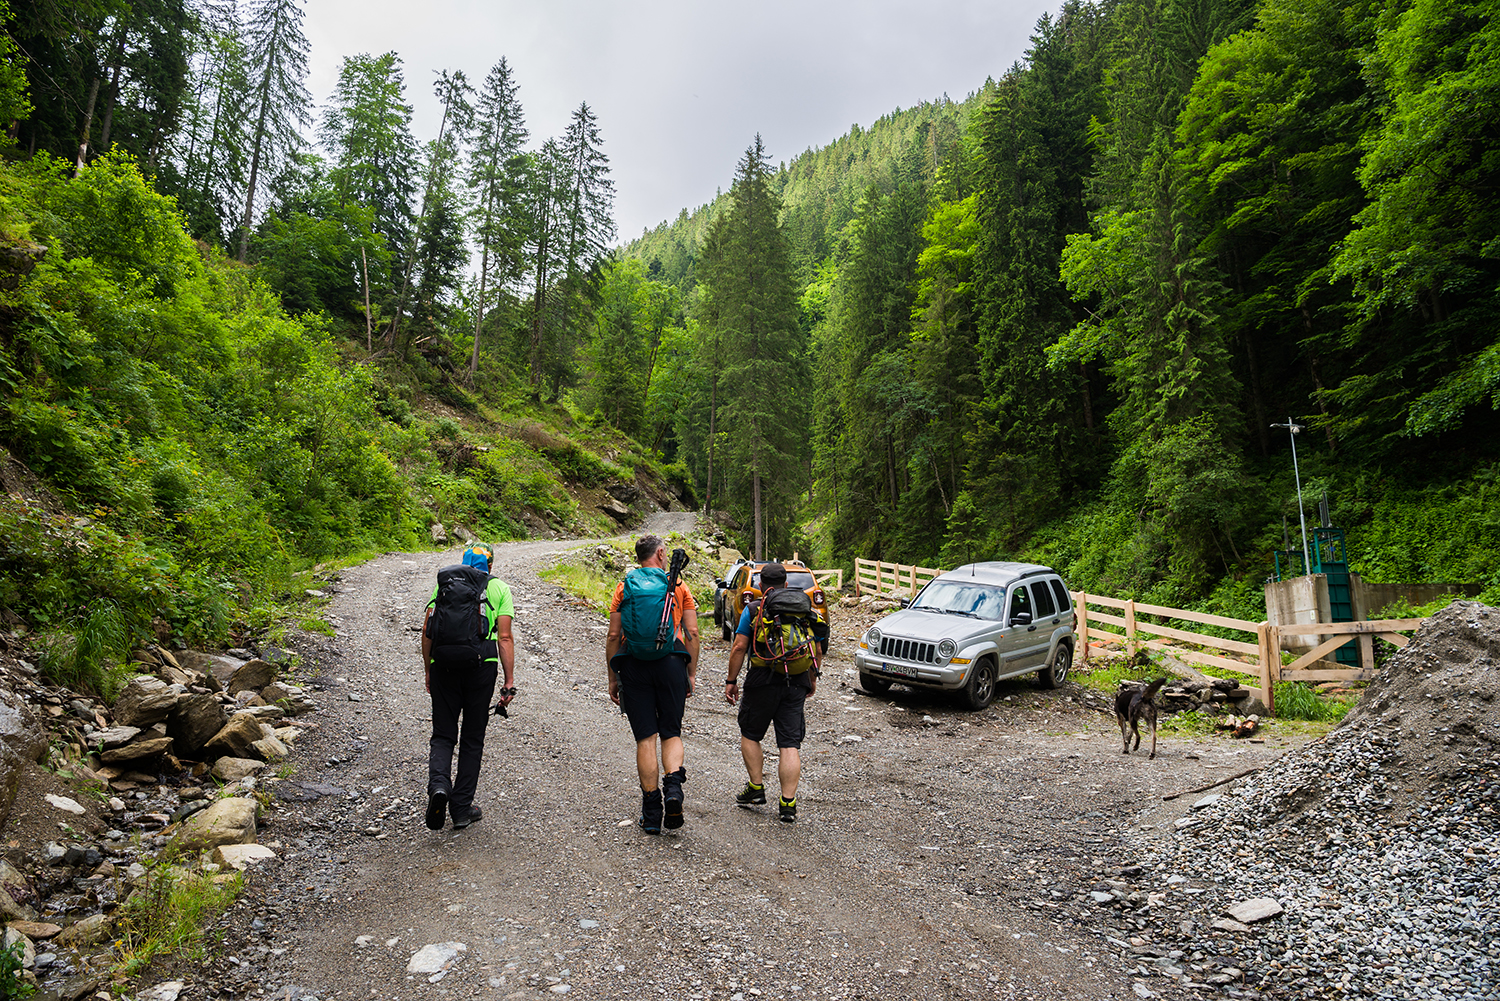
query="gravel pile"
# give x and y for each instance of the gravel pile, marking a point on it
(1372, 851)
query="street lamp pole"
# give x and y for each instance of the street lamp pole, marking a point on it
(1293, 429)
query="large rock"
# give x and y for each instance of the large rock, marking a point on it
(235, 738)
(728, 554)
(253, 675)
(137, 750)
(239, 857)
(270, 749)
(115, 736)
(215, 668)
(87, 931)
(13, 889)
(194, 721)
(228, 769)
(619, 512)
(292, 698)
(228, 822)
(22, 742)
(146, 700)
(10, 939)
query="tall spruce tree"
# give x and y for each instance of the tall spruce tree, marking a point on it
(276, 54)
(585, 228)
(765, 374)
(209, 151)
(367, 128)
(497, 174)
(439, 195)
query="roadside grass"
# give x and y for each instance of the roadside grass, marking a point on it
(316, 626)
(581, 582)
(168, 913)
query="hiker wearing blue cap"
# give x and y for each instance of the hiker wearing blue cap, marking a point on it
(466, 641)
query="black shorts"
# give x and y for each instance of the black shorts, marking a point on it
(781, 704)
(652, 694)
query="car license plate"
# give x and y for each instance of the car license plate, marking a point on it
(901, 669)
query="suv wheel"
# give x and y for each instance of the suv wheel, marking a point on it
(874, 685)
(1056, 673)
(980, 691)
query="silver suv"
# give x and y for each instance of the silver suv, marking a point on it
(971, 627)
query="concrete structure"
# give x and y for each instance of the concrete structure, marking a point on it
(1305, 599)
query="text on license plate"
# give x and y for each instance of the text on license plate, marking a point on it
(901, 669)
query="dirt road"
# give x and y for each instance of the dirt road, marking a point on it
(937, 854)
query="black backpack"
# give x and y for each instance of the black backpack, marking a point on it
(458, 627)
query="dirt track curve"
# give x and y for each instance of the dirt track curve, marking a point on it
(927, 839)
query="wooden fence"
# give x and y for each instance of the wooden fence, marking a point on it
(876, 577)
(823, 576)
(1259, 660)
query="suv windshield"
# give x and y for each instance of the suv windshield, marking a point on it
(983, 601)
(794, 578)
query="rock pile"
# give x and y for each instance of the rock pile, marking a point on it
(1374, 847)
(179, 749)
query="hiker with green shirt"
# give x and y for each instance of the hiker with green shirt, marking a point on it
(466, 640)
(651, 655)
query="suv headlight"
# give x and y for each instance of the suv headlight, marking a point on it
(947, 648)
(873, 639)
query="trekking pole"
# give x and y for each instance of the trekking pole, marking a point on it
(664, 628)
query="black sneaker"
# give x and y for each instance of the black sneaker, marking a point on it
(651, 811)
(472, 815)
(788, 809)
(437, 805)
(671, 785)
(752, 793)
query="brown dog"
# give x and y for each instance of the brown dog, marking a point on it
(1134, 705)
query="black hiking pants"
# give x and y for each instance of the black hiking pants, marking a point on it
(459, 692)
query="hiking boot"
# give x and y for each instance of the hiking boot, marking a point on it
(788, 809)
(437, 806)
(752, 793)
(472, 815)
(651, 811)
(671, 785)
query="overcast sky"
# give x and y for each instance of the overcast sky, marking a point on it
(681, 88)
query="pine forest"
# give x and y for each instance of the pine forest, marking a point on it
(245, 328)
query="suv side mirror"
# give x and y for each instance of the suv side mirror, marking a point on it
(720, 583)
(1020, 618)
(903, 602)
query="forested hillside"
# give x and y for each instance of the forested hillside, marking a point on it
(1062, 325)
(245, 328)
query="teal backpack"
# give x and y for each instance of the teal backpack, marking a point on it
(643, 605)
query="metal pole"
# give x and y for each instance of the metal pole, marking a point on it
(1292, 427)
(1297, 475)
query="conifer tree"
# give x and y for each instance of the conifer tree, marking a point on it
(585, 228)
(276, 53)
(764, 376)
(452, 90)
(497, 174)
(367, 128)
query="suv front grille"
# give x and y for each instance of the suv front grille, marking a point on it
(899, 649)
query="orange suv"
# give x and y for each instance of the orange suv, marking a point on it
(743, 587)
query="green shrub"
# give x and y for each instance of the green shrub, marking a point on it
(11, 984)
(168, 913)
(1294, 700)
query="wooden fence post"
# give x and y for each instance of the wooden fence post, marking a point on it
(1270, 663)
(1083, 623)
(1130, 626)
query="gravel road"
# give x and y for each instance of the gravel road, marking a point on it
(937, 853)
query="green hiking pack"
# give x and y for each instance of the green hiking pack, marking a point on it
(643, 606)
(781, 634)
